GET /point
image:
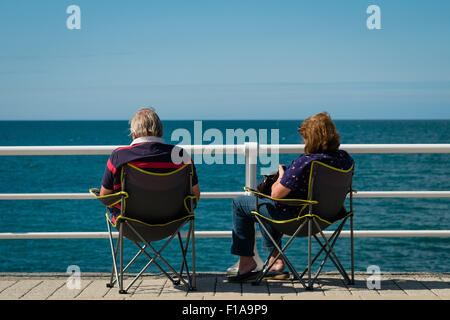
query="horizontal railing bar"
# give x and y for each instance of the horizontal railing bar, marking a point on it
(105, 150)
(365, 148)
(84, 196)
(225, 195)
(227, 234)
(402, 194)
(56, 150)
(226, 149)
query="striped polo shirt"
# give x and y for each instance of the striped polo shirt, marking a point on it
(148, 153)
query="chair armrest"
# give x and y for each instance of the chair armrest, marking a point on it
(288, 202)
(110, 199)
(194, 203)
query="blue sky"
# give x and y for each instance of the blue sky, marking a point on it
(224, 59)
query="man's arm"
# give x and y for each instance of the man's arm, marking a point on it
(108, 179)
(104, 191)
(196, 191)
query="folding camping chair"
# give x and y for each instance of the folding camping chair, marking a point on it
(153, 207)
(328, 188)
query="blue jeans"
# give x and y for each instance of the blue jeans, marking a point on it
(244, 224)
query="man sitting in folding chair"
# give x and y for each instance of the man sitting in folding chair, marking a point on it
(287, 202)
(150, 196)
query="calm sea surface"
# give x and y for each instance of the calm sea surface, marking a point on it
(46, 174)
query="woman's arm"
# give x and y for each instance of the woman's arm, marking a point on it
(278, 190)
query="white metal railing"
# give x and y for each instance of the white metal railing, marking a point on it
(250, 151)
(226, 195)
(237, 149)
(227, 234)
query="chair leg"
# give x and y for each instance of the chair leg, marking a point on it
(111, 284)
(341, 269)
(114, 273)
(158, 253)
(183, 255)
(194, 272)
(352, 252)
(191, 277)
(333, 240)
(319, 253)
(153, 259)
(121, 291)
(120, 270)
(310, 285)
(114, 252)
(263, 272)
(323, 248)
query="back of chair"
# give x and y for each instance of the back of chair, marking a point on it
(157, 198)
(329, 186)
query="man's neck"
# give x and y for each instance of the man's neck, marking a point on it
(147, 139)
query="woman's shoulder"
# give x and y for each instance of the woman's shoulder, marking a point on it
(307, 158)
(344, 154)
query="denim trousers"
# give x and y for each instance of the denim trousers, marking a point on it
(243, 234)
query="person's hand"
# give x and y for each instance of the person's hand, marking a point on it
(280, 171)
(278, 190)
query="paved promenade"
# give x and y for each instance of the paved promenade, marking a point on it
(210, 286)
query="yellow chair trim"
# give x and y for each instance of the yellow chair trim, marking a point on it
(121, 193)
(299, 218)
(328, 166)
(159, 174)
(291, 220)
(156, 174)
(147, 224)
(304, 206)
(306, 202)
(185, 205)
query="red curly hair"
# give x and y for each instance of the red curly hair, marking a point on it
(320, 134)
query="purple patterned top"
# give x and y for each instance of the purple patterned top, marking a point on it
(296, 176)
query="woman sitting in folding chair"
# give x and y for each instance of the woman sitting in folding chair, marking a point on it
(321, 144)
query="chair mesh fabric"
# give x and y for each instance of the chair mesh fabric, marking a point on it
(156, 204)
(156, 199)
(330, 188)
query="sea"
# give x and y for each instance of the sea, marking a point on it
(67, 174)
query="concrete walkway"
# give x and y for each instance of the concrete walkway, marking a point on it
(210, 286)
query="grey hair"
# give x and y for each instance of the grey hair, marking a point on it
(146, 123)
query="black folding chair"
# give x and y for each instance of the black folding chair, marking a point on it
(328, 188)
(153, 207)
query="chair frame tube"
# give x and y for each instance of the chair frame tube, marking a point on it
(117, 272)
(327, 247)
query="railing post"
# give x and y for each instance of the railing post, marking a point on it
(251, 161)
(251, 164)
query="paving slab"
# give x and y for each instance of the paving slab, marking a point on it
(215, 286)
